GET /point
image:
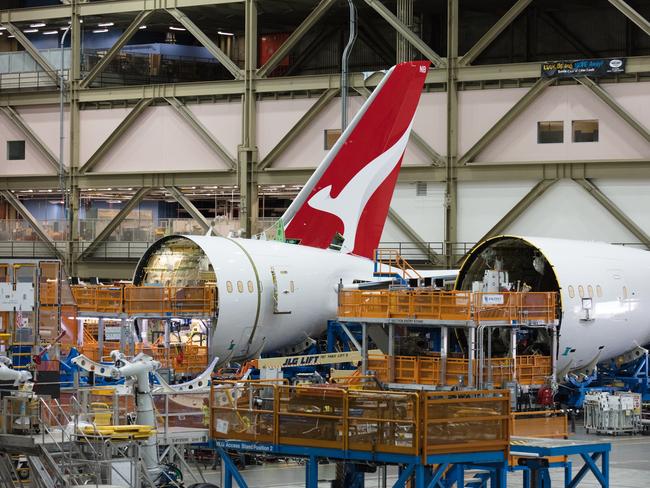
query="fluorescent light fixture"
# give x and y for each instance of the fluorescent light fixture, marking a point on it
(106, 24)
(49, 33)
(2, 28)
(99, 31)
(222, 33)
(11, 37)
(30, 31)
(171, 27)
(142, 27)
(40, 24)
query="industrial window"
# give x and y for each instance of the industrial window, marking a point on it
(572, 292)
(599, 291)
(240, 287)
(585, 130)
(550, 132)
(581, 291)
(229, 286)
(331, 136)
(250, 286)
(590, 291)
(421, 189)
(15, 150)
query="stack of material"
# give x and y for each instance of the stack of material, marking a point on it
(614, 414)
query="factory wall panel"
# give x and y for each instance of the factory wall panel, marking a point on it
(275, 118)
(424, 213)
(478, 110)
(33, 164)
(45, 122)
(566, 210)
(481, 204)
(632, 197)
(518, 142)
(308, 149)
(159, 140)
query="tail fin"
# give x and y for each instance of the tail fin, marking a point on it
(350, 192)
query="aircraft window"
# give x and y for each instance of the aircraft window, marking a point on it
(572, 292)
(240, 287)
(250, 286)
(291, 287)
(599, 290)
(625, 292)
(590, 290)
(581, 291)
(229, 286)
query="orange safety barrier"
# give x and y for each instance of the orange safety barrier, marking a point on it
(361, 420)
(416, 304)
(169, 300)
(427, 304)
(99, 298)
(137, 300)
(515, 306)
(426, 370)
(465, 421)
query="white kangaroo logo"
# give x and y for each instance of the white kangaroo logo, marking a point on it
(351, 201)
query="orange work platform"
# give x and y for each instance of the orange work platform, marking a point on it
(437, 305)
(146, 300)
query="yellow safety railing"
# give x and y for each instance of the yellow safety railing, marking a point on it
(389, 262)
(429, 304)
(361, 420)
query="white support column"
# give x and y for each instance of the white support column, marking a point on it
(444, 339)
(471, 341)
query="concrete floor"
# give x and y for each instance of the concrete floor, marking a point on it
(629, 468)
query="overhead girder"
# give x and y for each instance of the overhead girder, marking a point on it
(200, 129)
(295, 37)
(570, 37)
(196, 214)
(32, 137)
(523, 103)
(493, 32)
(115, 222)
(407, 33)
(614, 210)
(107, 7)
(33, 52)
(632, 14)
(208, 43)
(115, 48)
(466, 74)
(116, 134)
(601, 93)
(33, 222)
